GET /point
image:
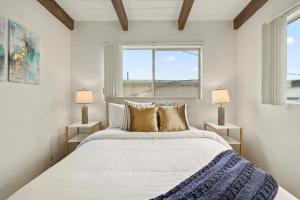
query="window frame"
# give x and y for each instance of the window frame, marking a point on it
(292, 17)
(197, 47)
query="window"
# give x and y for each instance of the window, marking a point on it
(161, 72)
(280, 59)
(137, 72)
(293, 60)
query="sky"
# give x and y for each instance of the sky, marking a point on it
(170, 65)
(293, 48)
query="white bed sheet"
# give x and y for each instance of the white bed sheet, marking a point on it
(133, 169)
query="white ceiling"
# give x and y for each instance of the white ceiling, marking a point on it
(202, 10)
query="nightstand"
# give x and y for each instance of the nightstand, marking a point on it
(227, 127)
(92, 127)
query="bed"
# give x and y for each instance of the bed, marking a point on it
(114, 164)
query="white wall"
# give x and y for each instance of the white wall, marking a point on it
(218, 59)
(271, 132)
(32, 117)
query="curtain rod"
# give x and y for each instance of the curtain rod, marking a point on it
(285, 13)
(154, 43)
(291, 9)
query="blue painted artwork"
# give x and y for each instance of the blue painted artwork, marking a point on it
(24, 55)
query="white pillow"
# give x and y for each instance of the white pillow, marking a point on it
(115, 115)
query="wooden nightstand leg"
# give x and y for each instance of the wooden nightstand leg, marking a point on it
(100, 126)
(66, 141)
(227, 132)
(205, 126)
(241, 140)
(78, 131)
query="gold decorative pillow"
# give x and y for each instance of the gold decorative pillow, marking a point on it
(126, 117)
(172, 118)
(143, 118)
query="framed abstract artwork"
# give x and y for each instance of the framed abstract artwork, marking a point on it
(24, 55)
(3, 49)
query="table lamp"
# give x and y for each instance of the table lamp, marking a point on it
(220, 96)
(84, 96)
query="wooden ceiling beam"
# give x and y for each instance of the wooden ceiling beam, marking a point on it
(119, 8)
(184, 13)
(248, 12)
(58, 12)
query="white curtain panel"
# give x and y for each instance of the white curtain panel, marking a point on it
(113, 79)
(274, 62)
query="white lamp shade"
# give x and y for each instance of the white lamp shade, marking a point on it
(220, 96)
(84, 96)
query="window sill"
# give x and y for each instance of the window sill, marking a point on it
(295, 102)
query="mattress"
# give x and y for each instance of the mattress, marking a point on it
(115, 164)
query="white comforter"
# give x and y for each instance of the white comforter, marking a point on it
(113, 164)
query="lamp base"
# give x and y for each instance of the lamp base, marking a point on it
(221, 115)
(84, 114)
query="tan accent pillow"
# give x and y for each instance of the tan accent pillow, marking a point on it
(172, 118)
(143, 118)
(126, 117)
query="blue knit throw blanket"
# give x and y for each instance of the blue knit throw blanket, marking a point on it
(227, 177)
